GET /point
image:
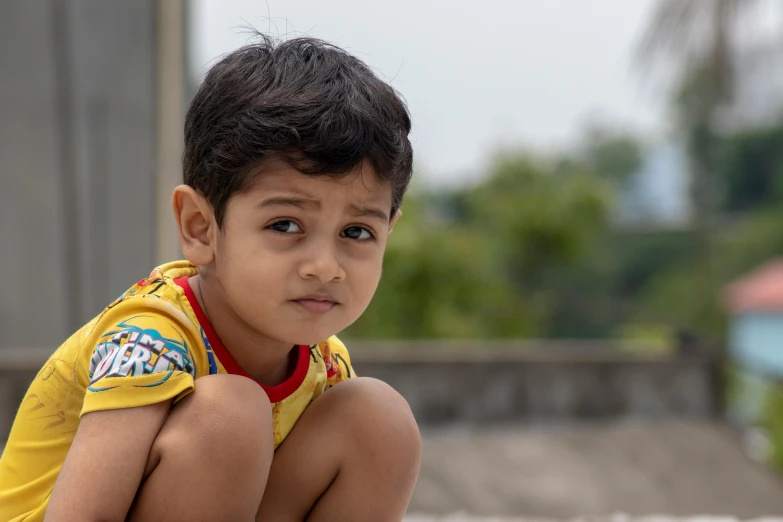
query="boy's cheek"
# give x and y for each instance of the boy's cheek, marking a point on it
(369, 285)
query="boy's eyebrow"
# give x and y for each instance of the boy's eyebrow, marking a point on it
(304, 203)
(291, 201)
(369, 212)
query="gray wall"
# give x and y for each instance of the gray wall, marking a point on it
(552, 391)
(77, 160)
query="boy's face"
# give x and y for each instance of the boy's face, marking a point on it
(298, 257)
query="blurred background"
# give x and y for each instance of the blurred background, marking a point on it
(583, 302)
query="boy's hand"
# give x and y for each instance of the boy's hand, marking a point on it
(106, 464)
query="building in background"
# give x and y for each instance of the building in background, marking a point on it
(755, 305)
(92, 100)
(657, 194)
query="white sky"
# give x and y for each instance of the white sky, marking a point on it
(476, 75)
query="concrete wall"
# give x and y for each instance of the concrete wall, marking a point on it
(30, 203)
(78, 160)
(552, 391)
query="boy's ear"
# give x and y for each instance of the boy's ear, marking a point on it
(196, 225)
(394, 220)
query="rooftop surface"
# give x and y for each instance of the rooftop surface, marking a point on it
(675, 467)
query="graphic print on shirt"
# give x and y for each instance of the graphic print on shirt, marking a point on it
(131, 350)
(336, 366)
(145, 288)
(213, 369)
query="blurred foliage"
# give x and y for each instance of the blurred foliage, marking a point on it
(533, 250)
(750, 167)
(612, 154)
(462, 264)
(513, 256)
(772, 423)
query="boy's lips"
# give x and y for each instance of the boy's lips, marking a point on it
(316, 303)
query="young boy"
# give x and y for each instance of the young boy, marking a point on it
(201, 393)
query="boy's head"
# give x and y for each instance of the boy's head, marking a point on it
(296, 161)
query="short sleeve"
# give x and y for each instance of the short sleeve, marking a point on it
(338, 361)
(143, 360)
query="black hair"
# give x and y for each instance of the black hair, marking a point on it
(304, 100)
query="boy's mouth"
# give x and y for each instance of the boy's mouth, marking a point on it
(316, 303)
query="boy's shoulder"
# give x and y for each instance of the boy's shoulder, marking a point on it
(150, 328)
(160, 284)
(144, 347)
(157, 300)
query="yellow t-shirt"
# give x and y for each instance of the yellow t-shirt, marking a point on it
(150, 345)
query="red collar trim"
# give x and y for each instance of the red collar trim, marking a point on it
(275, 393)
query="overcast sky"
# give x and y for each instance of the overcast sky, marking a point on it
(476, 75)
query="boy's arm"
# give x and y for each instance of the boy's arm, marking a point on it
(105, 464)
(134, 364)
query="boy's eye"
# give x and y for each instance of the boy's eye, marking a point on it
(285, 226)
(358, 233)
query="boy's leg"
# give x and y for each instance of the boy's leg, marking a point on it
(211, 459)
(354, 455)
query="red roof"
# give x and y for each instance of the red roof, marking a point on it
(759, 291)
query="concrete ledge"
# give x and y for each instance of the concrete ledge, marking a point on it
(506, 350)
(542, 390)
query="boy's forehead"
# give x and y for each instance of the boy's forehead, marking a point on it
(361, 183)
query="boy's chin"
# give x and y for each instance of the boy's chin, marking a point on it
(310, 340)
(302, 335)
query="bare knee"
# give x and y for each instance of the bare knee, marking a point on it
(226, 416)
(378, 416)
(216, 444)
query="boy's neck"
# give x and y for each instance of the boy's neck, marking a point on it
(267, 361)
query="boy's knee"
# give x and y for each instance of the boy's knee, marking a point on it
(220, 435)
(224, 414)
(377, 414)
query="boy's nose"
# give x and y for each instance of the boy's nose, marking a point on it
(323, 265)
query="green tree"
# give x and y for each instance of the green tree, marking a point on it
(541, 214)
(699, 36)
(477, 262)
(440, 280)
(611, 153)
(750, 169)
(695, 34)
